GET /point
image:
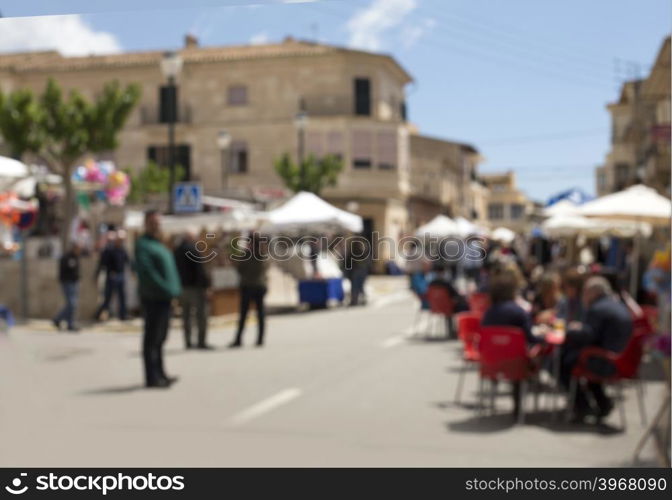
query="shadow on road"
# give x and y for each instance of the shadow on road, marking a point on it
(122, 389)
(543, 418)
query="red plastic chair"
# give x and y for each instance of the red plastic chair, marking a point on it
(651, 314)
(504, 356)
(627, 364)
(441, 305)
(468, 325)
(479, 303)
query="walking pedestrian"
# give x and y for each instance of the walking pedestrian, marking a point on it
(114, 260)
(252, 266)
(68, 276)
(158, 284)
(195, 284)
(357, 265)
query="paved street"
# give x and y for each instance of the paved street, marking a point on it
(341, 387)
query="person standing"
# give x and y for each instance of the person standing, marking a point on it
(158, 284)
(68, 276)
(357, 264)
(252, 269)
(195, 284)
(114, 260)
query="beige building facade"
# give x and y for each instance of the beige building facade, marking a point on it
(640, 138)
(507, 206)
(355, 106)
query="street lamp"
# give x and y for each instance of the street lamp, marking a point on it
(301, 121)
(171, 66)
(223, 143)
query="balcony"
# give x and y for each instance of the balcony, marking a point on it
(150, 115)
(329, 105)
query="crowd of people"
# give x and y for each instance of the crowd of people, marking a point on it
(590, 304)
(164, 278)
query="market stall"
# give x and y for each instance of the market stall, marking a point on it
(320, 282)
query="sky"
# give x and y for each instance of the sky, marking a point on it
(525, 81)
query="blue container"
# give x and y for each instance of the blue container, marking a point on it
(319, 292)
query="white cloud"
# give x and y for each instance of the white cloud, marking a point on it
(70, 35)
(259, 39)
(367, 26)
(411, 33)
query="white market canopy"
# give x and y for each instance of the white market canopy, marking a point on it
(572, 225)
(12, 168)
(232, 220)
(468, 228)
(635, 203)
(563, 207)
(308, 212)
(503, 234)
(440, 226)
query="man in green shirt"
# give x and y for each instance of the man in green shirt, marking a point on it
(158, 283)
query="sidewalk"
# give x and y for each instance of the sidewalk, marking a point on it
(380, 290)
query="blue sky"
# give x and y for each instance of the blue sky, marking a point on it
(525, 81)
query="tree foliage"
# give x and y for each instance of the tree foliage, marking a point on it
(153, 179)
(62, 129)
(311, 175)
(20, 122)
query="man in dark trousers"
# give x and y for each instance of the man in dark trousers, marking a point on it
(158, 284)
(114, 260)
(68, 276)
(252, 265)
(607, 324)
(195, 283)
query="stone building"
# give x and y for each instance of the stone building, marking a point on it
(507, 205)
(640, 138)
(355, 106)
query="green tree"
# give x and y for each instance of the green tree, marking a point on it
(311, 175)
(74, 126)
(152, 179)
(20, 119)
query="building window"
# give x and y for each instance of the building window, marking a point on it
(237, 95)
(239, 157)
(517, 211)
(161, 156)
(361, 149)
(168, 111)
(495, 211)
(387, 150)
(335, 143)
(403, 111)
(362, 97)
(622, 174)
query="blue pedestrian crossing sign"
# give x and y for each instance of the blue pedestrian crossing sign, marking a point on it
(187, 197)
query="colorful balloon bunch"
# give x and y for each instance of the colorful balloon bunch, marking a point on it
(103, 178)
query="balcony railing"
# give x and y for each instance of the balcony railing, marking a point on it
(151, 115)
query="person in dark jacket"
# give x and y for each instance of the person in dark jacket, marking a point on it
(114, 260)
(252, 265)
(158, 285)
(607, 324)
(504, 311)
(68, 276)
(195, 283)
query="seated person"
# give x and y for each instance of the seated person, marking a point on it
(441, 276)
(546, 297)
(607, 324)
(570, 307)
(504, 311)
